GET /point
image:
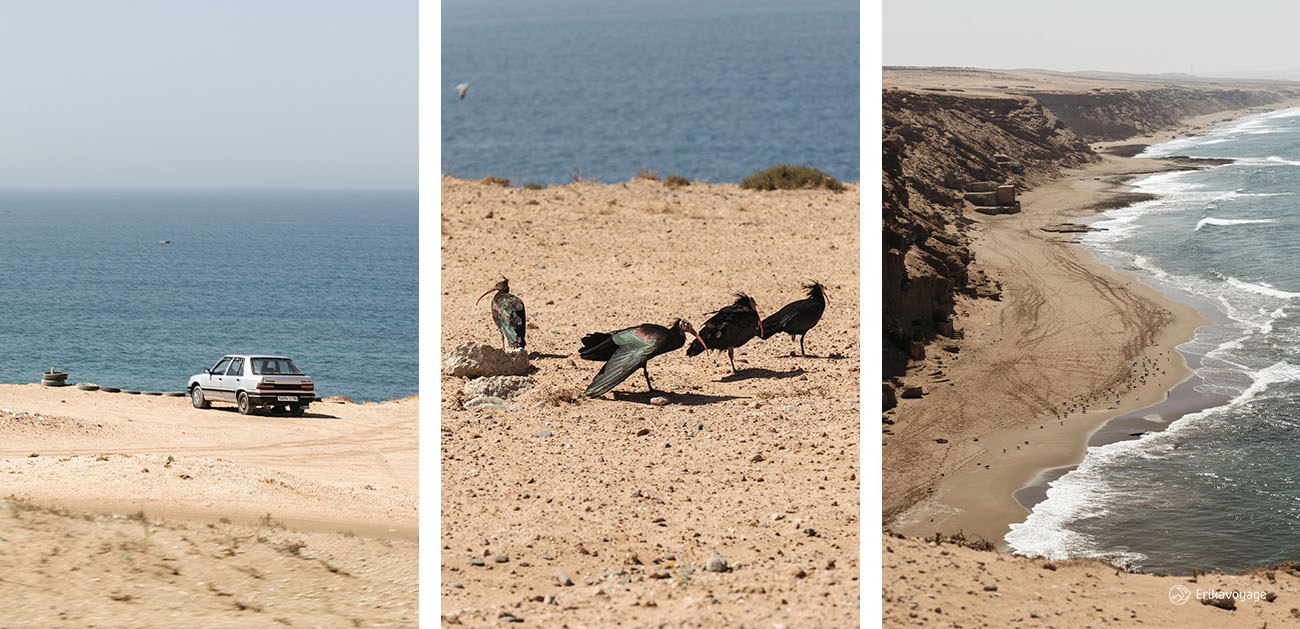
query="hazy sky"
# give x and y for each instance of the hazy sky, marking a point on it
(209, 93)
(1239, 37)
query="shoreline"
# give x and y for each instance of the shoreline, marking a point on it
(980, 490)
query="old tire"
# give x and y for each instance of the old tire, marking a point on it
(86, 386)
(130, 392)
(245, 404)
(153, 392)
(197, 399)
(110, 389)
(175, 394)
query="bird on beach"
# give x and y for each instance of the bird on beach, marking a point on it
(462, 88)
(730, 328)
(624, 351)
(508, 313)
(797, 317)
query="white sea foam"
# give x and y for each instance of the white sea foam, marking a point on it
(1084, 491)
(1223, 222)
(1262, 288)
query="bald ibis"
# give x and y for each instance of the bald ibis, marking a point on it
(797, 317)
(730, 328)
(629, 349)
(508, 313)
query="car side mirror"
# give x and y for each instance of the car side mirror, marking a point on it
(207, 371)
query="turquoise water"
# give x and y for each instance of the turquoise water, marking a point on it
(329, 279)
(1216, 488)
(712, 90)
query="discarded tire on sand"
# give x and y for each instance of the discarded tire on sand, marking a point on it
(53, 378)
(130, 392)
(175, 394)
(86, 386)
(153, 393)
(109, 389)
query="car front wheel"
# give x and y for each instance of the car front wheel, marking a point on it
(245, 404)
(196, 397)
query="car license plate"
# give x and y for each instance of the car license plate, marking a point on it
(286, 398)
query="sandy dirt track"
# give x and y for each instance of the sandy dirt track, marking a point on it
(629, 500)
(341, 480)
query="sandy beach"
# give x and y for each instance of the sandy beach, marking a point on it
(1070, 344)
(126, 509)
(630, 501)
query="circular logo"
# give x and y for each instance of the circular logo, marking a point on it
(1179, 595)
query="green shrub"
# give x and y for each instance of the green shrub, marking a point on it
(676, 181)
(648, 173)
(787, 177)
(533, 185)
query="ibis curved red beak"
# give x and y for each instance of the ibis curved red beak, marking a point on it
(691, 329)
(760, 317)
(480, 297)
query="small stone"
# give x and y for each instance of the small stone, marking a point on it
(716, 564)
(457, 585)
(643, 432)
(475, 561)
(658, 401)
(667, 445)
(563, 579)
(990, 588)
(549, 600)
(500, 558)
(758, 458)
(799, 574)
(509, 617)
(542, 433)
(810, 532)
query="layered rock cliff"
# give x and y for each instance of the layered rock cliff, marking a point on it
(1119, 114)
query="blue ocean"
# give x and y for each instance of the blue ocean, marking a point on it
(599, 90)
(1217, 487)
(327, 278)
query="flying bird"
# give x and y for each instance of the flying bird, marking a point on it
(624, 351)
(730, 328)
(462, 88)
(508, 313)
(797, 317)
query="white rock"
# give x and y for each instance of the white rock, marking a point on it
(473, 360)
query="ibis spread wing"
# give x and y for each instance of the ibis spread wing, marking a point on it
(634, 348)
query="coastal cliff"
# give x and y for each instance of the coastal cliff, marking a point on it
(996, 128)
(935, 145)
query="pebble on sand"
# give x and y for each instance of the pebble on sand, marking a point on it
(716, 564)
(563, 579)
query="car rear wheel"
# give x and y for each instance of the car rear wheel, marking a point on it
(245, 404)
(297, 410)
(196, 398)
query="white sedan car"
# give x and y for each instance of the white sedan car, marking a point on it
(250, 381)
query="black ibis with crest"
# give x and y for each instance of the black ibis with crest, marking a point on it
(797, 317)
(508, 313)
(730, 328)
(624, 351)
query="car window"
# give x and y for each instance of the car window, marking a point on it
(236, 368)
(275, 367)
(221, 367)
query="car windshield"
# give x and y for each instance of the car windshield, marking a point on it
(275, 367)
